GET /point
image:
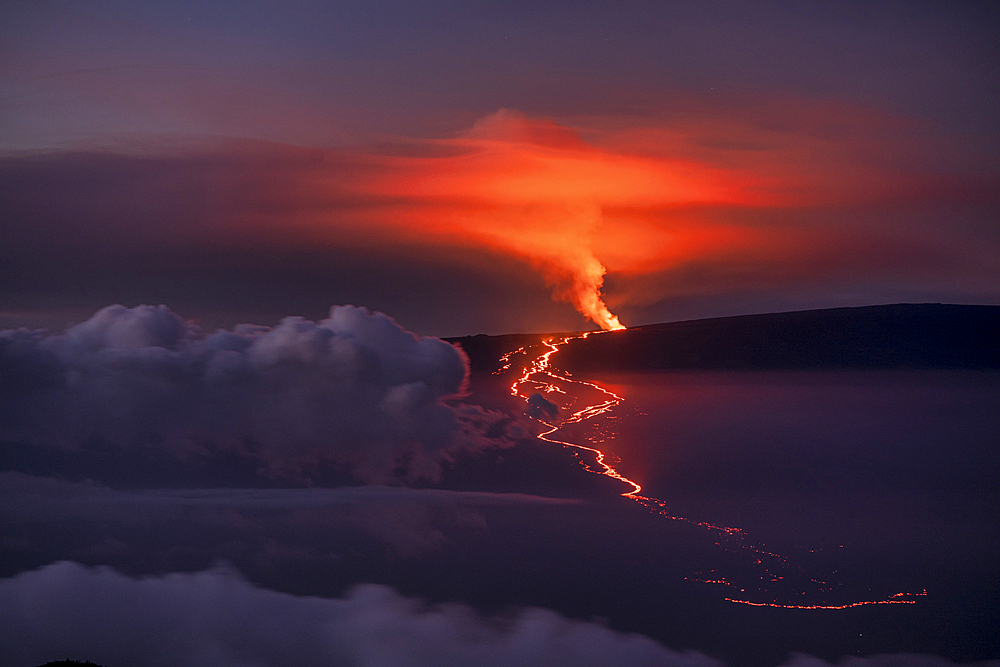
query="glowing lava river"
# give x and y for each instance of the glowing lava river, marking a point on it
(762, 578)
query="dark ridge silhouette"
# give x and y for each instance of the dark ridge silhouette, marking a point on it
(900, 336)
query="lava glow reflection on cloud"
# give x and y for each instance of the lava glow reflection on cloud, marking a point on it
(632, 200)
(534, 189)
(748, 206)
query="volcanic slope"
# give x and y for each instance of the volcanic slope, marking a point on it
(899, 336)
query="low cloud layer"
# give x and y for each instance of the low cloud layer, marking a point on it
(355, 390)
(109, 523)
(216, 618)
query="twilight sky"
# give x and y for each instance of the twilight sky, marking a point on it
(483, 167)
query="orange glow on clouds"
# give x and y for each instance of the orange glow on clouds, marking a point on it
(635, 199)
(535, 189)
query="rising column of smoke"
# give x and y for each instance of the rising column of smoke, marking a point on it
(553, 154)
(522, 185)
(576, 274)
(587, 289)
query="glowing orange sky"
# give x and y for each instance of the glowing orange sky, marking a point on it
(700, 160)
(535, 189)
(631, 199)
(762, 205)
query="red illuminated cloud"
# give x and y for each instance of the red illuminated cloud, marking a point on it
(699, 202)
(534, 188)
(635, 198)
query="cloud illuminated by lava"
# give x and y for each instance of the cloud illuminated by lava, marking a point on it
(632, 199)
(695, 201)
(534, 188)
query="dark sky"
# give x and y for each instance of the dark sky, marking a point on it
(482, 167)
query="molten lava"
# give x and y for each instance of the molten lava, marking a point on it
(776, 582)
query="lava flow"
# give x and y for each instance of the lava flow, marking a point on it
(775, 581)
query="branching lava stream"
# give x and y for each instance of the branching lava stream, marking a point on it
(774, 581)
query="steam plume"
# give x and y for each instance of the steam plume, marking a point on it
(586, 277)
(571, 267)
(527, 186)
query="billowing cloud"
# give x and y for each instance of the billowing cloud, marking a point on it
(354, 389)
(215, 618)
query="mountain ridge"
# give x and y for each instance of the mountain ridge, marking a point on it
(893, 336)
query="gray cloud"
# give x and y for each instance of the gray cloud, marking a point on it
(215, 618)
(67, 499)
(356, 389)
(413, 522)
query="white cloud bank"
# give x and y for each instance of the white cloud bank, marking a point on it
(355, 388)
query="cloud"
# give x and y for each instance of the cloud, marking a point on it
(412, 522)
(48, 498)
(215, 618)
(354, 389)
(743, 199)
(773, 192)
(534, 188)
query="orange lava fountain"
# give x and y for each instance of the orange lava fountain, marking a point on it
(540, 376)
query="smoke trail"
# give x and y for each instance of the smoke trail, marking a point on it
(576, 275)
(587, 295)
(531, 187)
(553, 156)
